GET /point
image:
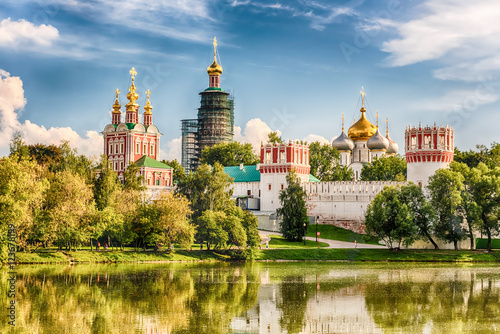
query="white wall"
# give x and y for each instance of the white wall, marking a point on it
(419, 172)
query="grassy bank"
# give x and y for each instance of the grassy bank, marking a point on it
(336, 233)
(380, 255)
(278, 241)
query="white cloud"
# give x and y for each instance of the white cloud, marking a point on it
(12, 101)
(461, 101)
(173, 150)
(461, 33)
(255, 133)
(14, 34)
(312, 138)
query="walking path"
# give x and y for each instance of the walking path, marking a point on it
(264, 235)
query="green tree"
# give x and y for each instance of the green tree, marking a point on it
(391, 168)
(324, 160)
(420, 209)
(445, 188)
(210, 229)
(21, 197)
(18, 147)
(165, 221)
(293, 211)
(45, 155)
(106, 185)
(132, 179)
(390, 219)
(273, 138)
(179, 172)
(229, 154)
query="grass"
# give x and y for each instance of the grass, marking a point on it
(482, 243)
(336, 233)
(379, 255)
(280, 242)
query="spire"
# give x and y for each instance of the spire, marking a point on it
(215, 70)
(148, 107)
(132, 96)
(376, 115)
(342, 122)
(387, 126)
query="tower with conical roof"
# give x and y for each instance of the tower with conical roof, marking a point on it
(344, 145)
(215, 121)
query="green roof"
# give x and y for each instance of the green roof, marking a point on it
(146, 161)
(130, 126)
(313, 178)
(214, 88)
(247, 174)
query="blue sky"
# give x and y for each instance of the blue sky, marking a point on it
(294, 66)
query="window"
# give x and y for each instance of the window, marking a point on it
(145, 149)
(152, 149)
(413, 142)
(282, 187)
(158, 182)
(268, 157)
(427, 141)
(269, 186)
(137, 147)
(121, 148)
(249, 192)
(110, 149)
(121, 165)
(116, 148)
(149, 181)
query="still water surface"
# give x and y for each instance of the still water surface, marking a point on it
(255, 298)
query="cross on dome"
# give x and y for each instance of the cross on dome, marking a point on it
(363, 94)
(133, 72)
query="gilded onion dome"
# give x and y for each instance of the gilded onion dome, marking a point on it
(363, 129)
(148, 107)
(214, 69)
(132, 96)
(377, 142)
(342, 142)
(117, 106)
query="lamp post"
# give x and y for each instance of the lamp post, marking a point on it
(317, 217)
(305, 234)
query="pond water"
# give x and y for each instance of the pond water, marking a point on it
(286, 297)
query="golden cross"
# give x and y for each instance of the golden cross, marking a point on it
(362, 96)
(376, 115)
(342, 122)
(117, 91)
(133, 73)
(215, 45)
(148, 92)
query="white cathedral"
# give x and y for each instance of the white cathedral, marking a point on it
(339, 203)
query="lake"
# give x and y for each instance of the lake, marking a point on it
(262, 297)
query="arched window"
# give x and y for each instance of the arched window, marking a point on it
(110, 149)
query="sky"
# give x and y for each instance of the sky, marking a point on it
(293, 66)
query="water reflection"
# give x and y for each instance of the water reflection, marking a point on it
(255, 298)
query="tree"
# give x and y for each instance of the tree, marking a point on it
(229, 154)
(472, 158)
(21, 196)
(106, 185)
(273, 138)
(18, 147)
(132, 179)
(324, 159)
(390, 219)
(293, 209)
(165, 221)
(445, 188)
(420, 209)
(391, 168)
(45, 155)
(210, 229)
(179, 172)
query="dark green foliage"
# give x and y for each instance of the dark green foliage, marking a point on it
(445, 188)
(385, 169)
(132, 179)
(179, 172)
(273, 138)
(229, 154)
(324, 159)
(293, 211)
(390, 219)
(472, 158)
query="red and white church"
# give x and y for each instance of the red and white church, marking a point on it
(127, 141)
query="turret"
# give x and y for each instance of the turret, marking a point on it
(377, 144)
(116, 114)
(132, 115)
(393, 146)
(427, 150)
(215, 70)
(344, 145)
(148, 115)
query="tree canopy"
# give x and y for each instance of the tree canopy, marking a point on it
(391, 168)
(293, 211)
(324, 161)
(229, 154)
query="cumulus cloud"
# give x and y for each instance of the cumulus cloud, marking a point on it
(255, 132)
(24, 33)
(461, 33)
(312, 138)
(173, 150)
(12, 101)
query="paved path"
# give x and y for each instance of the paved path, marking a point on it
(264, 235)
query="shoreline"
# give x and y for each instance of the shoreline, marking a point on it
(267, 255)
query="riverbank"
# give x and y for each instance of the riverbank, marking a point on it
(349, 255)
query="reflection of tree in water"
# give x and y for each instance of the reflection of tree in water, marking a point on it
(445, 306)
(219, 296)
(124, 299)
(293, 303)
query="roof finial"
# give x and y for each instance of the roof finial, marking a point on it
(148, 105)
(116, 106)
(133, 72)
(342, 122)
(376, 115)
(215, 48)
(387, 126)
(362, 97)
(132, 96)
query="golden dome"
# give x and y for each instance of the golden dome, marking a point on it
(148, 107)
(132, 96)
(214, 69)
(363, 129)
(117, 106)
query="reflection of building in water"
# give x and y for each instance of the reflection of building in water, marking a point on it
(340, 311)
